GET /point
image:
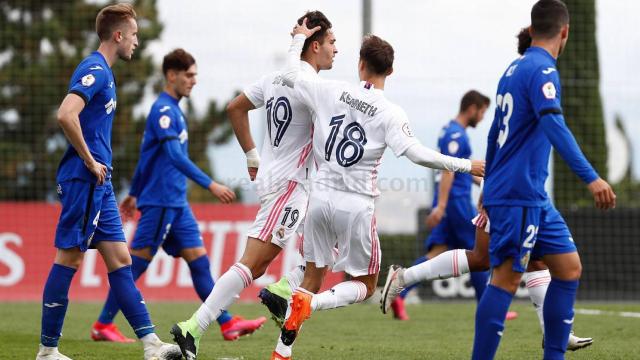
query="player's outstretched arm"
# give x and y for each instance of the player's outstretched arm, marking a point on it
(300, 33)
(421, 155)
(563, 141)
(238, 112)
(69, 120)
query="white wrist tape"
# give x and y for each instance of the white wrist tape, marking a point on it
(253, 158)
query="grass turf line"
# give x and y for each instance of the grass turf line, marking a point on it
(438, 330)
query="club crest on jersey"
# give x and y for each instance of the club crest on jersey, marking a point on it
(165, 121)
(88, 80)
(549, 90)
(406, 129)
(453, 147)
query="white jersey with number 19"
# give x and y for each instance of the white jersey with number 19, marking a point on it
(286, 149)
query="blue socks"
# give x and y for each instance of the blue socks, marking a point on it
(558, 317)
(130, 301)
(479, 281)
(490, 314)
(406, 290)
(203, 282)
(111, 308)
(54, 303)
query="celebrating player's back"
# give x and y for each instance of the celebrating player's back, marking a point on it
(353, 125)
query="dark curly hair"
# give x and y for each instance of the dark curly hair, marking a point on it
(315, 18)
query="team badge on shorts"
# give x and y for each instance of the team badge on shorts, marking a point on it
(280, 233)
(525, 259)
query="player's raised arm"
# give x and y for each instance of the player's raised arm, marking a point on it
(300, 33)
(238, 112)
(69, 120)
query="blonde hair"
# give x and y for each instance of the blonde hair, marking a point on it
(110, 17)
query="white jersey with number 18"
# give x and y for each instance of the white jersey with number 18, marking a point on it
(353, 125)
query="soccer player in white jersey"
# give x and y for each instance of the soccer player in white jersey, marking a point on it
(280, 173)
(354, 124)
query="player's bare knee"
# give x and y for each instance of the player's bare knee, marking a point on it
(536, 265)
(371, 289)
(69, 257)
(370, 281)
(478, 261)
(144, 253)
(570, 272)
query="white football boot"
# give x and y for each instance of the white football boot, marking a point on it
(577, 343)
(392, 287)
(50, 353)
(159, 350)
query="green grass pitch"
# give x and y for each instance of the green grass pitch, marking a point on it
(437, 330)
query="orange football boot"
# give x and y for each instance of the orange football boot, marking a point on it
(300, 311)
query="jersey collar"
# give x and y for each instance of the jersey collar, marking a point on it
(369, 86)
(99, 55)
(543, 52)
(170, 98)
(307, 68)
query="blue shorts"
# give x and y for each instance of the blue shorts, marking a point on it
(455, 230)
(172, 228)
(523, 233)
(89, 215)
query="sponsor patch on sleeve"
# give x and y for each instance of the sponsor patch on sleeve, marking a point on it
(549, 90)
(406, 129)
(165, 121)
(88, 80)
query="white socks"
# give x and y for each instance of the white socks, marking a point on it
(450, 263)
(295, 276)
(150, 339)
(537, 283)
(225, 291)
(343, 294)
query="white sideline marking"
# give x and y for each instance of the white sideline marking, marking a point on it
(627, 314)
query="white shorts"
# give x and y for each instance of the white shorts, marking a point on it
(280, 214)
(345, 219)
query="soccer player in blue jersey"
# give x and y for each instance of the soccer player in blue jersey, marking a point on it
(159, 190)
(524, 224)
(442, 266)
(452, 206)
(90, 217)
